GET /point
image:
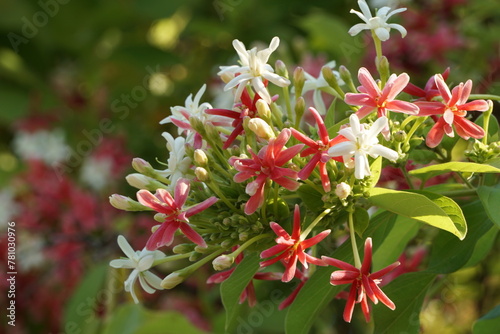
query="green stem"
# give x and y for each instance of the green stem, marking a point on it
(459, 193)
(407, 177)
(414, 128)
(248, 243)
(172, 258)
(378, 50)
(286, 95)
(308, 230)
(357, 260)
(486, 122)
(221, 195)
(195, 266)
(484, 97)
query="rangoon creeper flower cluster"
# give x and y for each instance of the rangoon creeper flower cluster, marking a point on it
(243, 182)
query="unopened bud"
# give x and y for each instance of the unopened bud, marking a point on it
(183, 248)
(343, 190)
(400, 136)
(226, 76)
(345, 74)
(140, 181)
(213, 134)
(195, 256)
(243, 236)
(126, 203)
(200, 158)
(142, 166)
(197, 125)
(226, 243)
(298, 80)
(154, 228)
(261, 128)
(329, 76)
(172, 280)
(263, 109)
(281, 69)
(222, 262)
(383, 67)
(201, 174)
(160, 217)
(300, 107)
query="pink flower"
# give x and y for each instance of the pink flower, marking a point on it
(292, 248)
(266, 165)
(176, 217)
(454, 109)
(320, 150)
(248, 108)
(249, 291)
(364, 283)
(372, 98)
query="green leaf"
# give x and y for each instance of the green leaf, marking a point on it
(489, 323)
(407, 292)
(232, 288)
(315, 295)
(79, 311)
(422, 156)
(449, 254)
(310, 197)
(376, 170)
(418, 207)
(125, 319)
(483, 247)
(449, 206)
(490, 197)
(361, 219)
(454, 166)
(493, 127)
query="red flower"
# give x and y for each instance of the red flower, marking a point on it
(248, 108)
(364, 283)
(175, 216)
(454, 109)
(303, 276)
(266, 165)
(430, 90)
(292, 248)
(320, 150)
(249, 291)
(372, 98)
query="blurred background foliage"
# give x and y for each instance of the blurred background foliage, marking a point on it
(73, 63)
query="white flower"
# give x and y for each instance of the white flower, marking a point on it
(48, 146)
(253, 69)
(141, 262)
(192, 108)
(362, 141)
(316, 84)
(96, 172)
(178, 163)
(377, 24)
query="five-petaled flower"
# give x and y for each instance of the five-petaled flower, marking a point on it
(364, 283)
(266, 165)
(454, 109)
(140, 262)
(291, 248)
(377, 24)
(320, 150)
(371, 98)
(254, 69)
(174, 215)
(362, 141)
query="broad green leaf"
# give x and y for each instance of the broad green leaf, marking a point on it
(449, 254)
(388, 246)
(315, 295)
(454, 166)
(361, 219)
(407, 292)
(232, 288)
(334, 130)
(310, 197)
(489, 323)
(125, 319)
(490, 197)
(449, 206)
(80, 310)
(422, 156)
(493, 128)
(415, 206)
(483, 246)
(494, 162)
(376, 170)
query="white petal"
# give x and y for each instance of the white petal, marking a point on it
(348, 133)
(357, 28)
(396, 11)
(126, 248)
(145, 262)
(153, 280)
(376, 128)
(259, 87)
(240, 49)
(276, 79)
(123, 263)
(386, 152)
(382, 33)
(198, 96)
(239, 80)
(345, 148)
(145, 286)
(355, 125)
(362, 168)
(399, 28)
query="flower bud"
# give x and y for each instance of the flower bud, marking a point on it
(298, 80)
(142, 166)
(243, 236)
(222, 262)
(201, 174)
(263, 109)
(300, 107)
(200, 158)
(261, 128)
(400, 136)
(226, 243)
(183, 248)
(172, 280)
(226, 77)
(345, 75)
(281, 69)
(383, 67)
(329, 76)
(343, 190)
(140, 181)
(154, 228)
(126, 203)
